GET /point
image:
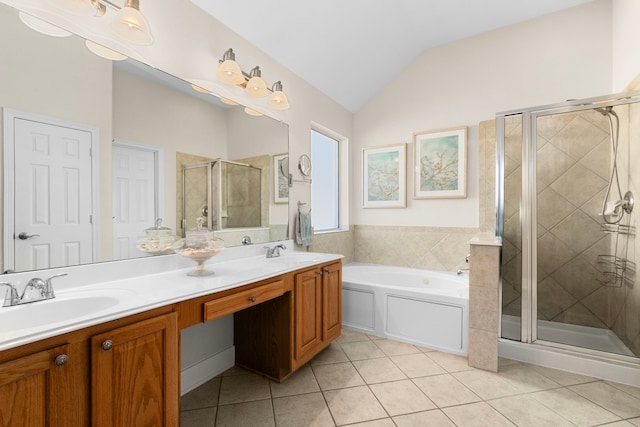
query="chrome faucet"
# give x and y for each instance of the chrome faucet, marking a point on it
(11, 297)
(463, 269)
(275, 251)
(44, 290)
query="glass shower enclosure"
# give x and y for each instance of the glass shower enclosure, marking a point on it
(567, 177)
(226, 194)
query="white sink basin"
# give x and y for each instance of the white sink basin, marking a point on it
(294, 257)
(69, 306)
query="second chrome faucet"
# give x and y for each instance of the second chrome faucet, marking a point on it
(274, 252)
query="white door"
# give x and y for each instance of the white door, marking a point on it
(53, 195)
(134, 196)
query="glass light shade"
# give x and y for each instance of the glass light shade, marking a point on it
(228, 101)
(257, 87)
(229, 72)
(104, 52)
(252, 112)
(130, 25)
(279, 101)
(41, 26)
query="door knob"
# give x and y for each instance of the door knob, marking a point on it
(25, 236)
(107, 345)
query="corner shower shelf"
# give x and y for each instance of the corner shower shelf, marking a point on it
(619, 229)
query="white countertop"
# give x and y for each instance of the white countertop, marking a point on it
(130, 287)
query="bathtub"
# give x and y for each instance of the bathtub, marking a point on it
(422, 307)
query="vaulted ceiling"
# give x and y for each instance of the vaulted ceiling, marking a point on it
(349, 49)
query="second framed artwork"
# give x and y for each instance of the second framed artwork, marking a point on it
(440, 164)
(384, 171)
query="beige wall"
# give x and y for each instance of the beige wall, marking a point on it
(468, 81)
(42, 76)
(149, 113)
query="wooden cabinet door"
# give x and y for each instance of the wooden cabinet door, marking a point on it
(39, 390)
(308, 312)
(331, 301)
(135, 374)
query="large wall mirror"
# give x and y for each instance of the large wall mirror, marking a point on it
(94, 151)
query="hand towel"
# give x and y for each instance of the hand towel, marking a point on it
(304, 230)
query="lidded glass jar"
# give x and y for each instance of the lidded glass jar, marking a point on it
(157, 240)
(199, 245)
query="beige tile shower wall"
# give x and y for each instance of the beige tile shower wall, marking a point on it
(572, 170)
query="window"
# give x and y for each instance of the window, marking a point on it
(325, 187)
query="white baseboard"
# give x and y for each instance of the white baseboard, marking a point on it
(198, 374)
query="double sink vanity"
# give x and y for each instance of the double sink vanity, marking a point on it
(105, 351)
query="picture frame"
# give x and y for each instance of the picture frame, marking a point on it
(384, 183)
(440, 164)
(280, 179)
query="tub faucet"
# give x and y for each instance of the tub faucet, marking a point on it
(463, 269)
(275, 251)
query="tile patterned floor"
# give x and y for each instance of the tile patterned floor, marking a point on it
(365, 381)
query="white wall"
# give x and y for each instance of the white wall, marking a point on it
(545, 60)
(626, 37)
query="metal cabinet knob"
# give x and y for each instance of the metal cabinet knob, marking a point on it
(319, 272)
(252, 299)
(61, 360)
(107, 345)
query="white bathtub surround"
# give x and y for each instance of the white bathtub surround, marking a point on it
(484, 280)
(422, 307)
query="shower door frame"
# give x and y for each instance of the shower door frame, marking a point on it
(528, 213)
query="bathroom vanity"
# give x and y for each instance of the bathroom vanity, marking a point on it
(125, 371)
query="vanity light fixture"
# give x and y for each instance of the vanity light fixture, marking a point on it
(278, 99)
(131, 25)
(256, 86)
(44, 27)
(41, 26)
(104, 52)
(252, 112)
(199, 89)
(83, 7)
(230, 72)
(228, 101)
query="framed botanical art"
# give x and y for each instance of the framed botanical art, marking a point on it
(384, 183)
(440, 164)
(280, 179)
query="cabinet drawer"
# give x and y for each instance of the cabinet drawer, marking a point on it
(241, 300)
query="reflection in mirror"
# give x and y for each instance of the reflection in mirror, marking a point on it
(125, 122)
